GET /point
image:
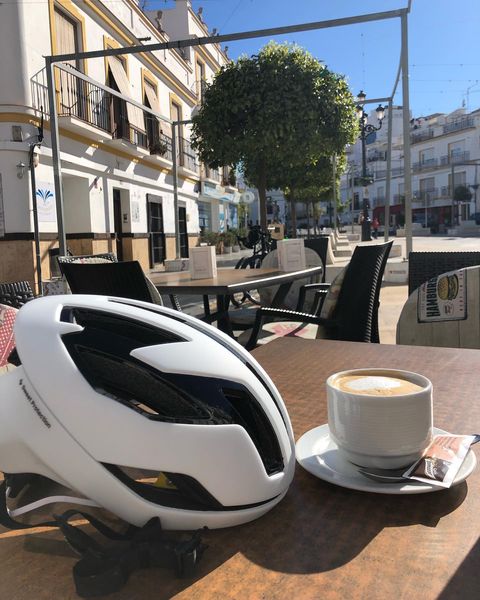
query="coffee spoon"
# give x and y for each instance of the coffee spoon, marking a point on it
(394, 475)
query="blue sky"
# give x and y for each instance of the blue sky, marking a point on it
(444, 43)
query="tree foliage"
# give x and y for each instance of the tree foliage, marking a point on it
(462, 194)
(272, 113)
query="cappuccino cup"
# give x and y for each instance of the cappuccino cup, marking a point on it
(380, 417)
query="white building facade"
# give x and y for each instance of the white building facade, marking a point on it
(445, 156)
(116, 159)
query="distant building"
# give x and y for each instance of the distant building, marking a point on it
(441, 145)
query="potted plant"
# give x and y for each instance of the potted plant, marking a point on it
(235, 243)
(158, 146)
(208, 237)
(229, 239)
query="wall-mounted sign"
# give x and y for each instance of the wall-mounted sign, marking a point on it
(46, 208)
(221, 218)
(135, 211)
(218, 192)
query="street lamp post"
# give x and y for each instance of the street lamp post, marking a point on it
(365, 130)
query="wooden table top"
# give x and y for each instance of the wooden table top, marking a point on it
(320, 541)
(227, 281)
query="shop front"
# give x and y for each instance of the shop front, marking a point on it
(217, 208)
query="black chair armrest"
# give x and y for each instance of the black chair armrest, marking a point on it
(280, 314)
(308, 287)
(317, 304)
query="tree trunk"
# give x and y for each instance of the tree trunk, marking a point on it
(293, 214)
(262, 194)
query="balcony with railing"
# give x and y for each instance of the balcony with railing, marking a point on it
(457, 157)
(425, 195)
(382, 173)
(213, 174)
(421, 136)
(187, 156)
(358, 180)
(377, 156)
(423, 165)
(228, 177)
(446, 190)
(458, 125)
(85, 107)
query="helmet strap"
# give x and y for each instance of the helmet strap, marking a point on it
(104, 569)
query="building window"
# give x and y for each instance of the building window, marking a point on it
(127, 119)
(151, 122)
(204, 216)
(426, 156)
(457, 148)
(460, 178)
(200, 79)
(72, 96)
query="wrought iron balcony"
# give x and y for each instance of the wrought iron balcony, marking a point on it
(92, 105)
(213, 174)
(421, 136)
(463, 123)
(452, 159)
(376, 156)
(187, 156)
(423, 165)
(425, 195)
(229, 179)
(382, 173)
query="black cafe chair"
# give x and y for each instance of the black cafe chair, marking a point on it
(348, 309)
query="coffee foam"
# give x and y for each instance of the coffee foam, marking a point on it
(376, 385)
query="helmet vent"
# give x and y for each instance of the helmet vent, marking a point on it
(246, 411)
(124, 330)
(267, 388)
(174, 490)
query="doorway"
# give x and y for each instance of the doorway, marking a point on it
(156, 234)
(182, 230)
(117, 223)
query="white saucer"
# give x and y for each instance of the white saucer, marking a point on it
(319, 455)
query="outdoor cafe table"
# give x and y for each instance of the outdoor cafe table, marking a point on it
(321, 541)
(229, 282)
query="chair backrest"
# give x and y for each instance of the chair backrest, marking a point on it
(108, 257)
(312, 259)
(356, 311)
(422, 266)
(123, 279)
(87, 258)
(15, 294)
(7, 340)
(320, 246)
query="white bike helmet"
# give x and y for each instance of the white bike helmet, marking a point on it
(144, 411)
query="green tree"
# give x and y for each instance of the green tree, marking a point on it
(462, 194)
(304, 183)
(272, 112)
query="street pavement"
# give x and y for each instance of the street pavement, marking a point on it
(392, 296)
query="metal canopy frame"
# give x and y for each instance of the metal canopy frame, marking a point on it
(54, 60)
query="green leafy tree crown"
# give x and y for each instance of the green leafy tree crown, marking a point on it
(273, 112)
